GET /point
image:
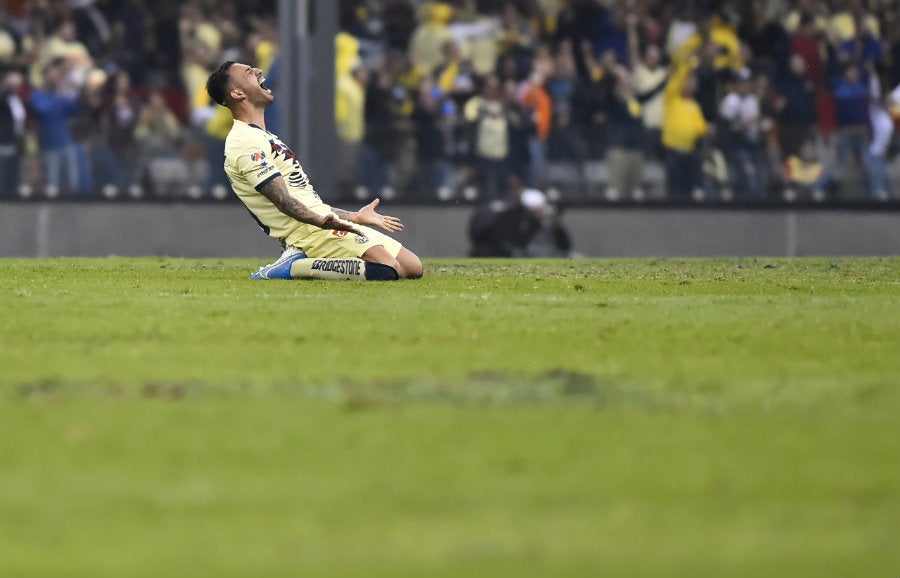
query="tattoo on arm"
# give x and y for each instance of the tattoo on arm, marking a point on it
(342, 214)
(276, 191)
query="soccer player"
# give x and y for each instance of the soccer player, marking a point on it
(319, 241)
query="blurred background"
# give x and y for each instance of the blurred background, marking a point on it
(515, 109)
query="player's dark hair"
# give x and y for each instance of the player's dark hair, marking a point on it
(217, 84)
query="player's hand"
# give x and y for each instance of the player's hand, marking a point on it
(332, 221)
(368, 216)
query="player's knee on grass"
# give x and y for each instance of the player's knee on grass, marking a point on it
(410, 265)
(407, 264)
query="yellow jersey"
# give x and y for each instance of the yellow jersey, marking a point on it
(253, 157)
(683, 124)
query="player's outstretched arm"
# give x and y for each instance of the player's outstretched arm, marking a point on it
(368, 216)
(277, 192)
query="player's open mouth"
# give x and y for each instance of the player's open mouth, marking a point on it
(262, 84)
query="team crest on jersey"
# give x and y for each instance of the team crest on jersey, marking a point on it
(278, 148)
(257, 156)
(297, 178)
(360, 240)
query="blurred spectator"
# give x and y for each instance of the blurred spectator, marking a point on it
(196, 28)
(574, 24)
(91, 26)
(488, 117)
(626, 139)
(63, 45)
(718, 49)
(612, 33)
(12, 132)
(814, 12)
(210, 124)
(433, 116)
(797, 104)
(200, 38)
(875, 158)
(594, 99)
(864, 47)
(521, 131)
(764, 36)
(115, 115)
(385, 132)
(769, 148)
(351, 78)
(195, 70)
(430, 37)
(86, 131)
(455, 75)
(518, 37)
(684, 129)
(713, 29)
(648, 76)
(479, 38)
(157, 135)
(682, 27)
(852, 20)
(538, 105)
(851, 96)
(892, 54)
(15, 43)
(350, 108)
(741, 137)
(399, 17)
(128, 29)
(53, 105)
(806, 42)
(164, 48)
(805, 176)
(261, 44)
(711, 80)
(562, 86)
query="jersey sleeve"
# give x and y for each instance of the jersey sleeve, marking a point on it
(255, 163)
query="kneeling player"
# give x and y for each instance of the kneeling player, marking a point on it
(320, 241)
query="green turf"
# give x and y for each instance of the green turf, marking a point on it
(626, 418)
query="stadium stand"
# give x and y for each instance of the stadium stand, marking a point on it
(589, 100)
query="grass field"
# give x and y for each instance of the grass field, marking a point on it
(627, 418)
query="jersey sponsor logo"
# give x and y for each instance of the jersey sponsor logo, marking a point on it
(361, 240)
(258, 156)
(339, 233)
(342, 266)
(266, 169)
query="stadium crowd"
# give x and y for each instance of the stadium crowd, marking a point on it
(678, 99)
(603, 99)
(107, 97)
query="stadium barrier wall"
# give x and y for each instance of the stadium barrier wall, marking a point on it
(50, 229)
